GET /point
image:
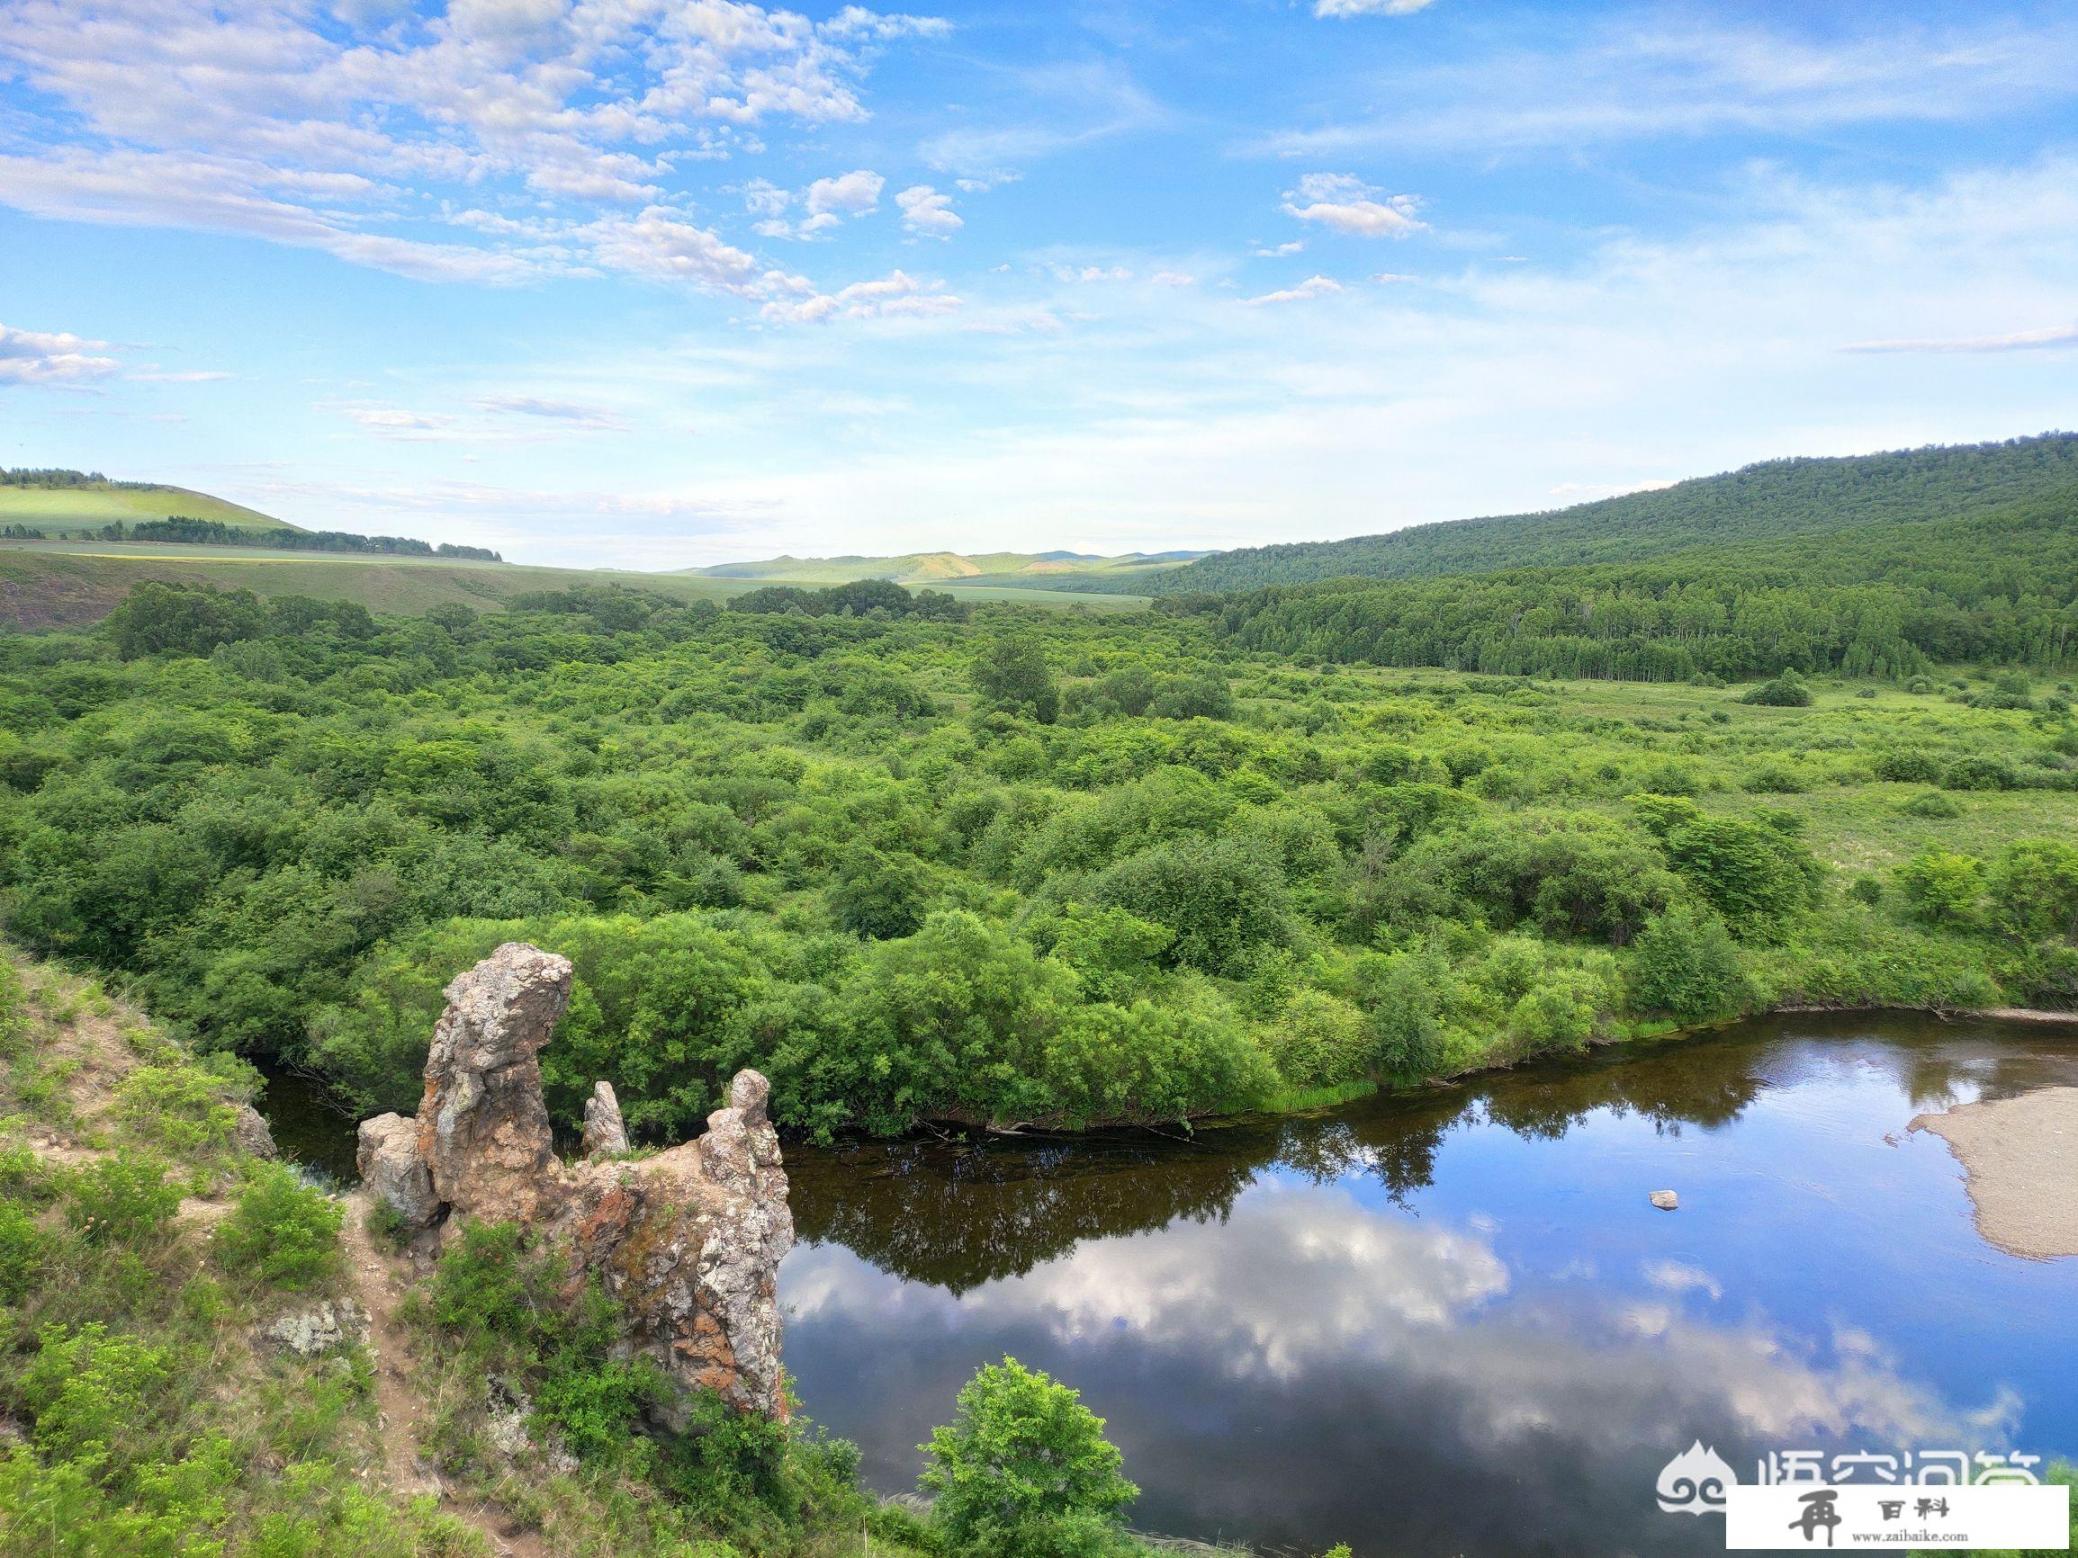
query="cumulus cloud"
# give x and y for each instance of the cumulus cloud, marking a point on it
(274, 121)
(927, 212)
(896, 295)
(1347, 8)
(847, 194)
(47, 357)
(1312, 287)
(1347, 204)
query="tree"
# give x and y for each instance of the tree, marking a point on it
(2034, 890)
(1687, 966)
(1012, 674)
(1024, 1470)
(877, 897)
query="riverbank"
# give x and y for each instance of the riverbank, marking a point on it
(2018, 1156)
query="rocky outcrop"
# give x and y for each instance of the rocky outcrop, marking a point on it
(689, 1241)
(319, 1329)
(386, 1153)
(483, 1124)
(251, 1133)
(605, 1133)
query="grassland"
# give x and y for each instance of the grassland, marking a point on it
(1048, 571)
(72, 583)
(84, 509)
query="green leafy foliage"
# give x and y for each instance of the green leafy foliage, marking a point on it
(1024, 1470)
(281, 1231)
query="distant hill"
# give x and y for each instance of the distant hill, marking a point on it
(1775, 500)
(76, 502)
(1044, 569)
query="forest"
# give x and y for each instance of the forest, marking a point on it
(211, 532)
(1774, 501)
(1011, 867)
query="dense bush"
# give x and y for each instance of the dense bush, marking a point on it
(1028, 867)
(1687, 965)
(1024, 1471)
(281, 1231)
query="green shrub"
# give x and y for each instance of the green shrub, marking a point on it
(23, 1249)
(88, 1389)
(1786, 691)
(282, 1231)
(1931, 804)
(1686, 964)
(1941, 887)
(1980, 771)
(122, 1199)
(1024, 1470)
(1319, 1040)
(1903, 765)
(1775, 779)
(1221, 899)
(2033, 889)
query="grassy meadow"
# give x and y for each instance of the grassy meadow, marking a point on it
(70, 583)
(88, 507)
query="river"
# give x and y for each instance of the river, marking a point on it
(1454, 1323)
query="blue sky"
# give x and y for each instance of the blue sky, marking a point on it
(663, 282)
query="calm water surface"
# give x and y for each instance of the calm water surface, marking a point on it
(1454, 1324)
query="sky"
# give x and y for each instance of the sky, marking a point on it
(658, 283)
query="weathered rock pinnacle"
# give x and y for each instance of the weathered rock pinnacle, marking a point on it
(689, 1241)
(605, 1133)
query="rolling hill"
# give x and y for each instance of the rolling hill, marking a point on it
(1777, 500)
(1058, 569)
(73, 503)
(51, 584)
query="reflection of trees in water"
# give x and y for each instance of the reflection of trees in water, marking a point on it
(1702, 1082)
(956, 1214)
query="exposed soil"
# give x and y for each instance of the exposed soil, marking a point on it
(380, 1281)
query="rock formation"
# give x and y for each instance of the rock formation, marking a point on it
(605, 1133)
(688, 1242)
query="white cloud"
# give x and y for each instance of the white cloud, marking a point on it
(1173, 278)
(1312, 287)
(855, 21)
(1280, 251)
(2015, 341)
(1050, 109)
(926, 211)
(273, 121)
(847, 194)
(46, 357)
(1347, 8)
(565, 413)
(1688, 73)
(1672, 1277)
(1348, 205)
(896, 295)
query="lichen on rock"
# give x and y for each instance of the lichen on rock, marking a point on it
(688, 1242)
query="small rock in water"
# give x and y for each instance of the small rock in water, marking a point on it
(1666, 1200)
